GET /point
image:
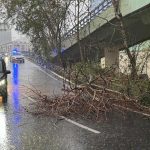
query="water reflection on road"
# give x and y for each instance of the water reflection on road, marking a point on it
(9, 116)
(3, 128)
(15, 91)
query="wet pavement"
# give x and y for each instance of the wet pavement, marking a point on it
(20, 130)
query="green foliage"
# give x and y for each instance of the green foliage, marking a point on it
(2, 12)
(145, 99)
(85, 72)
(42, 20)
(138, 89)
(88, 68)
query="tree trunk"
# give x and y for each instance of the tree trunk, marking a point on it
(78, 36)
(131, 57)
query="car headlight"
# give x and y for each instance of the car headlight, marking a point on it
(2, 82)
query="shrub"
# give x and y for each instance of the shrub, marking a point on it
(145, 99)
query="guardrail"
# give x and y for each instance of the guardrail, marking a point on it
(45, 64)
(96, 11)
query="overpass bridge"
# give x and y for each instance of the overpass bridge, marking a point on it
(99, 31)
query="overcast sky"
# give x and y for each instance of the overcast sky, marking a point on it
(16, 35)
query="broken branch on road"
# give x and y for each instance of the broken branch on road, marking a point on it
(88, 100)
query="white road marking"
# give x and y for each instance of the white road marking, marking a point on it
(69, 120)
(80, 125)
(54, 74)
(31, 99)
(47, 74)
(131, 110)
(61, 77)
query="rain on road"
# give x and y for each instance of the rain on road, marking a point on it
(20, 130)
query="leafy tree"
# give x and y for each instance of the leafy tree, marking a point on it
(42, 20)
(45, 21)
(2, 12)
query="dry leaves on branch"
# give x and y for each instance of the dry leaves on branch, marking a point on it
(88, 101)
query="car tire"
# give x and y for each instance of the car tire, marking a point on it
(5, 97)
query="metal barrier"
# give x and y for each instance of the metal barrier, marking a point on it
(96, 11)
(44, 63)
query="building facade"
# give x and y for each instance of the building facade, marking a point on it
(5, 33)
(20, 45)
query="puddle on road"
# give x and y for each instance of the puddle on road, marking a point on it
(3, 127)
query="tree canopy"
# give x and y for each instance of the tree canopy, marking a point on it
(41, 20)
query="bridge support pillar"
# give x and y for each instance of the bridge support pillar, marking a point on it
(112, 57)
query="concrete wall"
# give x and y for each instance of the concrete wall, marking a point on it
(141, 62)
(111, 57)
(142, 51)
(124, 63)
(21, 46)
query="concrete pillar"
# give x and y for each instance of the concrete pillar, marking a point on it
(102, 62)
(111, 57)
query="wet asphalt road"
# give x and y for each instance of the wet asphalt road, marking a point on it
(20, 130)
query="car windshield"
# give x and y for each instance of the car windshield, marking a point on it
(18, 53)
